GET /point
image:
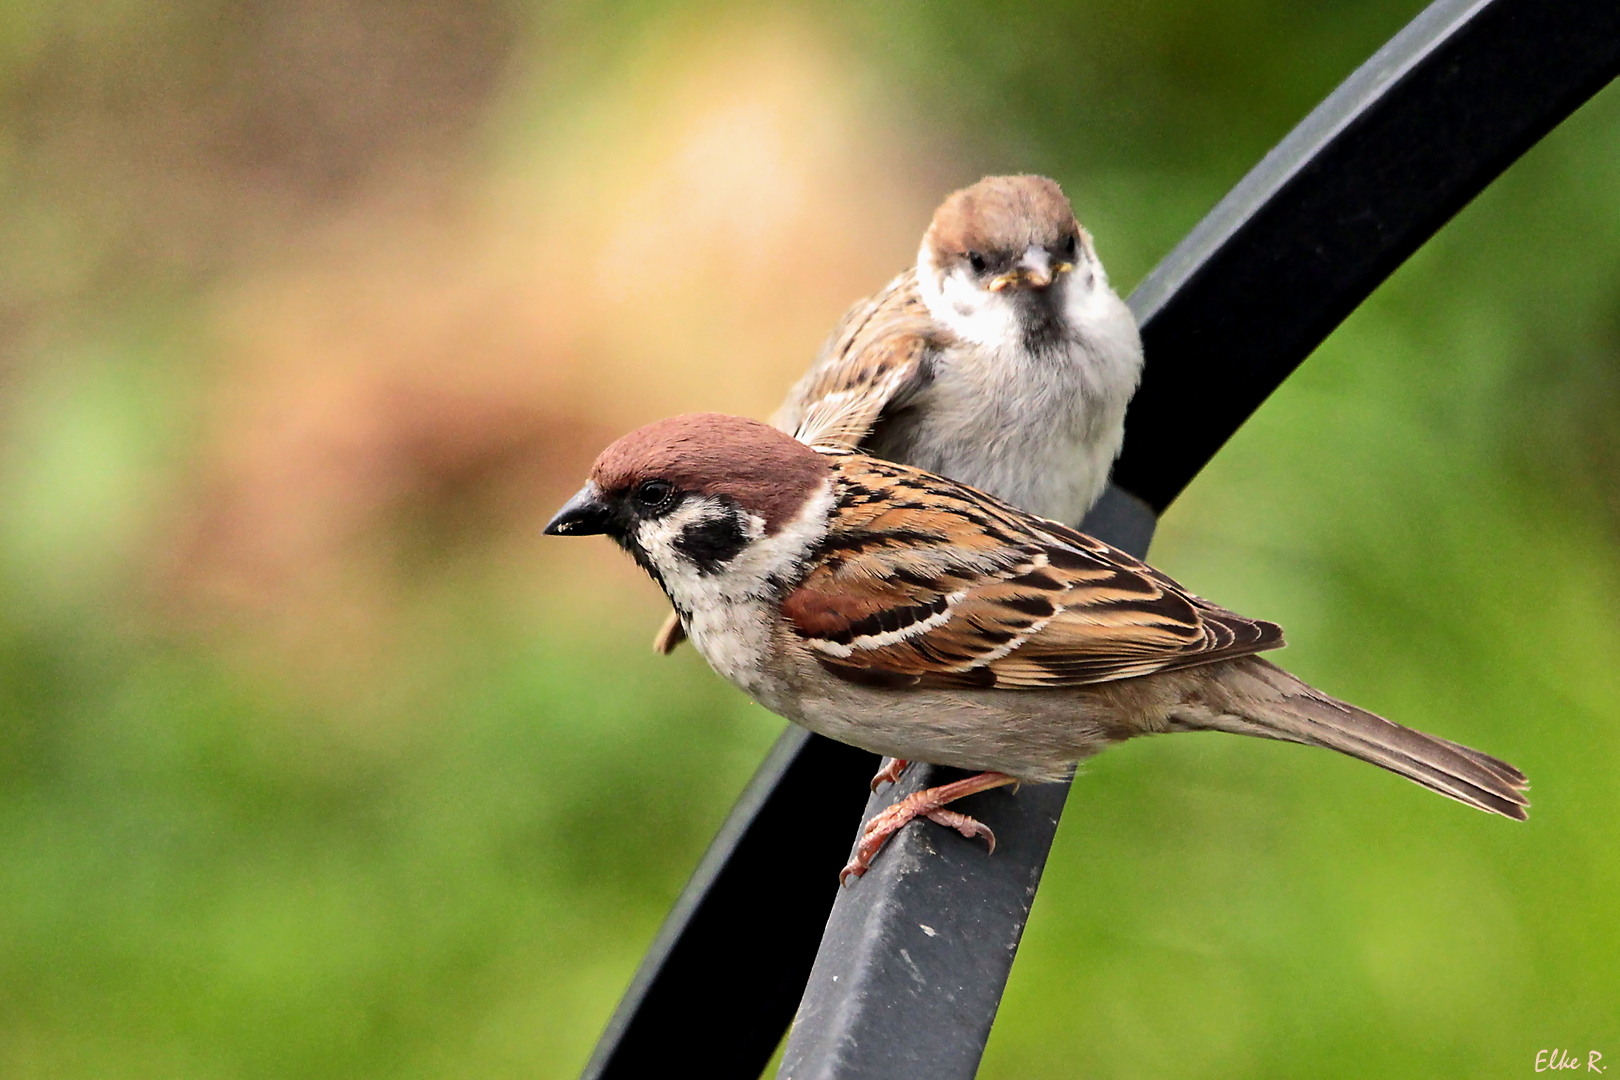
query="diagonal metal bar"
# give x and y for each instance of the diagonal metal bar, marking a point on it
(1403, 144)
(1360, 184)
(731, 918)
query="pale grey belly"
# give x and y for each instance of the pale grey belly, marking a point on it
(1033, 735)
(1039, 738)
(1057, 477)
(1039, 431)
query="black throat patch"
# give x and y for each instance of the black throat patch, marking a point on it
(1042, 319)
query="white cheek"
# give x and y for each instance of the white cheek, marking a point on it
(1108, 323)
(964, 308)
(781, 556)
(657, 538)
(660, 536)
(730, 612)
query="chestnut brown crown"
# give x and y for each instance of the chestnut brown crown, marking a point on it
(765, 471)
(1000, 218)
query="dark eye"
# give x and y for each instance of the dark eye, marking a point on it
(1071, 247)
(652, 494)
(976, 261)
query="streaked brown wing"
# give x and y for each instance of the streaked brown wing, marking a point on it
(924, 582)
(873, 361)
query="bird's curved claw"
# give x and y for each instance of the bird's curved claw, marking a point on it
(890, 772)
(929, 803)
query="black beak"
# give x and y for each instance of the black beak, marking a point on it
(583, 515)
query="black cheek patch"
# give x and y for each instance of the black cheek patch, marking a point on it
(712, 543)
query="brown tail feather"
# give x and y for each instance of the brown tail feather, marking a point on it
(1295, 712)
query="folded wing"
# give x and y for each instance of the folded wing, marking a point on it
(874, 361)
(924, 582)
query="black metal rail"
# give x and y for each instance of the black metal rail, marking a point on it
(911, 967)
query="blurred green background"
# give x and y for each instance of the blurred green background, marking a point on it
(317, 761)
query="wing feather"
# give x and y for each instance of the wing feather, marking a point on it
(875, 359)
(926, 582)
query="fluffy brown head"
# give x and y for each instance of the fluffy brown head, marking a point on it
(761, 469)
(992, 223)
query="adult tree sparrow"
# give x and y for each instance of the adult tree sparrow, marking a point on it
(1003, 359)
(913, 616)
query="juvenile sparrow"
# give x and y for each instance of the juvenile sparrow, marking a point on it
(1003, 359)
(913, 616)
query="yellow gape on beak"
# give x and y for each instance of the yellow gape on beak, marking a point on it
(1034, 269)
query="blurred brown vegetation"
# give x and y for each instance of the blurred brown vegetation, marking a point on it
(423, 325)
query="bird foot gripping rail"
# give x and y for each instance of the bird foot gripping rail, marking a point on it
(907, 975)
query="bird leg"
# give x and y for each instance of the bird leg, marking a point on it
(928, 803)
(890, 772)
